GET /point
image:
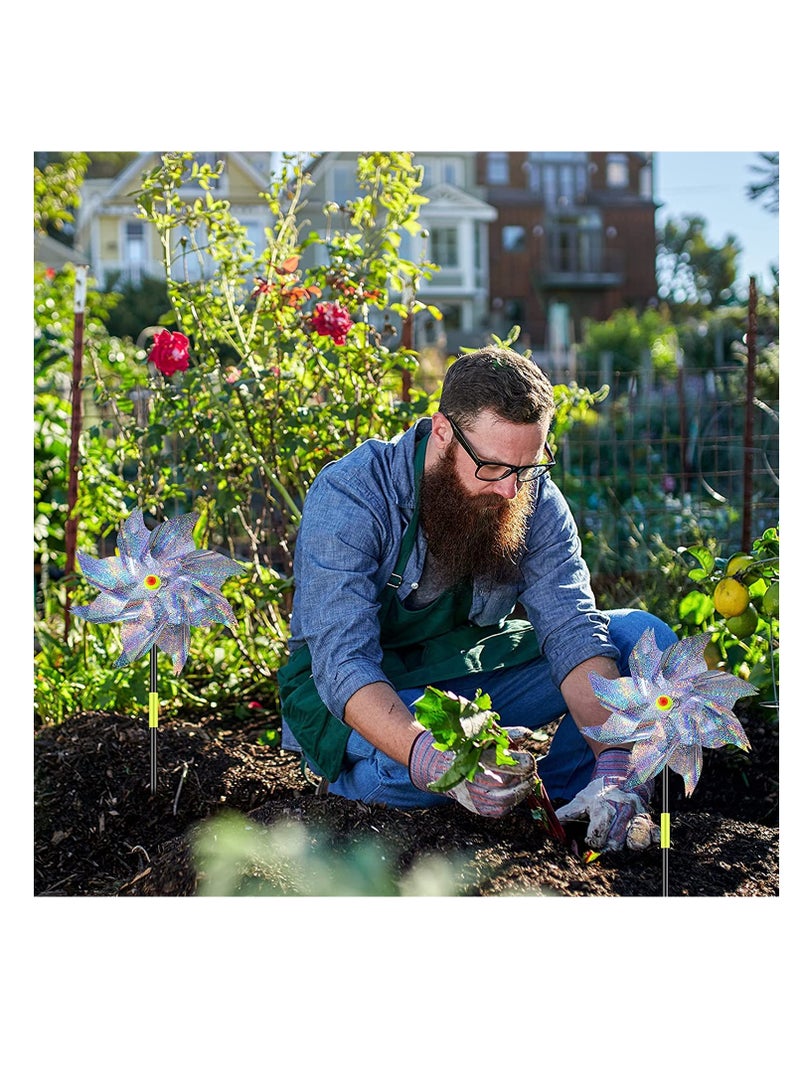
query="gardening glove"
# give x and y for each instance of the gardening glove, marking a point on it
(617, 816)
(495, 789)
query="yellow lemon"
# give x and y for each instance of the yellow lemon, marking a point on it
(769, 603)
(730, 597)
(745, 624)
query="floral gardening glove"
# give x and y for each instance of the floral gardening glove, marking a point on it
(495, 789)
(617, 816)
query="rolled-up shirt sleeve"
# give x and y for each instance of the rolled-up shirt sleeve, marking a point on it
(343, 548)
(558, 596)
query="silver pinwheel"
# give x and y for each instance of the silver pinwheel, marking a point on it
(158, 586)
(670, 708)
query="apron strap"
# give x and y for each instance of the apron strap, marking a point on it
(410, 535)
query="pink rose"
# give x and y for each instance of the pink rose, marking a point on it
(170, 352)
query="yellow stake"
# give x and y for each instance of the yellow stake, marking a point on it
(665, 830)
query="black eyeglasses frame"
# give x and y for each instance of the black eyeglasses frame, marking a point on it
(537, 469)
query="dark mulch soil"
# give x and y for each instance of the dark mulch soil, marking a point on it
(100, 832)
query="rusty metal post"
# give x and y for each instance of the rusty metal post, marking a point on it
(747, 468)
(684, 475)
(71, 528)
(407, 341)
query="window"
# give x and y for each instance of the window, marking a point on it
(560, 178)
(451, 172)
(497, 168)
(135, 252)
(513, 237)
(452, 316)
(444, 246)
(575, 243)
(437, 171)
(617, 172)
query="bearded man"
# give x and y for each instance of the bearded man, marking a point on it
(448, 557)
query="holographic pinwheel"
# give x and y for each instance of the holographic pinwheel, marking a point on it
(159, 587)
(670, 707)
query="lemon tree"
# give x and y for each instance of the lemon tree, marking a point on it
(736, 598)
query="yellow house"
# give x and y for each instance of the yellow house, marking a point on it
(122, 248)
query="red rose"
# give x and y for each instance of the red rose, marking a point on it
(331, 320)
(170, 352)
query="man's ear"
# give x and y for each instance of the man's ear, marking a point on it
(441, 431)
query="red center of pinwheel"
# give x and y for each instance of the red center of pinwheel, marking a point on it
(152, 582)
(664, 702)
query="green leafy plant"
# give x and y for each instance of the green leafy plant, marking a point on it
(237, 858)
(736, 597)
(465, 727)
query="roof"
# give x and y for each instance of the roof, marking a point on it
(52, 252)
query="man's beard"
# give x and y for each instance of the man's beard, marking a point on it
(469, 535)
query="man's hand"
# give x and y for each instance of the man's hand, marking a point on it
(617, 817)
(495, 789)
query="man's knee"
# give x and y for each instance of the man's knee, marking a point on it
(627, 627)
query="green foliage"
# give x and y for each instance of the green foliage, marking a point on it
(693, 274)
(753, 655)
(138, 307)
(767, 188)
(234, 858)
(466, 728)
(627, 335)
(56, 192)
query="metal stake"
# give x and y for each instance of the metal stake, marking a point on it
(153, 709)
(664, 834)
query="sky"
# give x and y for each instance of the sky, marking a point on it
(713, 184)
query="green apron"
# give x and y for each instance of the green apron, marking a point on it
(421, 647)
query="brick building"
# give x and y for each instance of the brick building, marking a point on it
(574, 239)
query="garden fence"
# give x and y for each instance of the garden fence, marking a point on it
(665, 462)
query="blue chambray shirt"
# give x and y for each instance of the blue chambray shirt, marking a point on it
(353, 521)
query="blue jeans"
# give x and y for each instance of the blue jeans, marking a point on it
(523, 697)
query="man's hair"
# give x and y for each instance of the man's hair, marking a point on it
(511, 386)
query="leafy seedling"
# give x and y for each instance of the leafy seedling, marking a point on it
(467, 728)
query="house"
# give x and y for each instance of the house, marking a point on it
(574, 239)
(122, 248)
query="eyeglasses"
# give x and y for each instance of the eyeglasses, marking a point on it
(497, 471)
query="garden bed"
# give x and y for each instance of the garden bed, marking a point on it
(100, 832)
